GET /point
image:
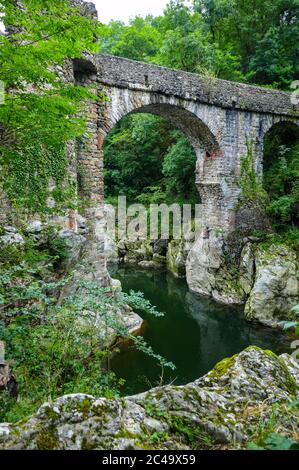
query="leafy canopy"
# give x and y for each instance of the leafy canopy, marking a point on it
(39, 113)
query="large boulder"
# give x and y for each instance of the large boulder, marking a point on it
(10, 237)
(276, 286)
(73, 245)
(135, 251)
(208, 272)
(224, 408)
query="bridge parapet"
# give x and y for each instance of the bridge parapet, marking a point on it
(130, 74)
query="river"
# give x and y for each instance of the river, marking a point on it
(194, 334)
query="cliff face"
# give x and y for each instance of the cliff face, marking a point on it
(223, 409)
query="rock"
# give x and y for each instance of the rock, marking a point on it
(74, 244)
(208, 273)
(276, 286)
(10, 229)
(160, 247)
(247, 268)
(11, 238)
(8, 382)
(105, 228)
(150, 265)
(159, 259)
(136, 251)
(34, 227)
(116, 285)
(83, 228)
(224, 407)
(177, 254)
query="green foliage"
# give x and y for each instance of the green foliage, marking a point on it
(38, 116)
(261, 34)
(60, 348)
(152, 195)
(248, 40)
(251, 187)
(266, 435)
(148, 161)
(275, 442)
(281, 178)
(139, 41)
(179, 171)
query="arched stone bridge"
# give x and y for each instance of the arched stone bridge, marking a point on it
(218, 117)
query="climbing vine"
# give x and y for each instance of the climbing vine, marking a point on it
(38, 116)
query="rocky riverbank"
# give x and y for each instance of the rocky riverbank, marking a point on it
(242, 400)
(264, 277)
(261, 275)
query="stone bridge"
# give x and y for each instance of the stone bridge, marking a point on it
(219, 118)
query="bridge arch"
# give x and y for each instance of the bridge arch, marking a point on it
(191, 120)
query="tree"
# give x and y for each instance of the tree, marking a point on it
(179, 170)
(263, 34)
(138, 41)
(38, 116)
(145, 157)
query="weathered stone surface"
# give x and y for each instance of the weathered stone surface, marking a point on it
(250, 217)
(247, 268)
(276, 286)
(125, 73)
(224, 407)
(133, 252)
(207, 272)
(150, 265)
(177, 254)
(74, 244)
(35, 226)
(11, 237)
(106, 229)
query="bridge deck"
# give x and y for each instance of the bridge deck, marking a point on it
(125, 73)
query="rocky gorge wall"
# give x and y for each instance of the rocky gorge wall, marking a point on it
(264, 278)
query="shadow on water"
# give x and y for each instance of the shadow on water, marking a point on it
(194, 334)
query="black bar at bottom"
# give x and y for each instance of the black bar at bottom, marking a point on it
(137, 459)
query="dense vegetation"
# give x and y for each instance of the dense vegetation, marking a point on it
(245, 40)
(148, 161)
(56, 347)
(38, 115)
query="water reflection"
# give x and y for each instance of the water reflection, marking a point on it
(194, 334)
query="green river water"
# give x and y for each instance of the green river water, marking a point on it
(194, 334)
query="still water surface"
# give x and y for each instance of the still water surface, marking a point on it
(194, 334)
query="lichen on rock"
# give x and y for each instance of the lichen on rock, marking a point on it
(225, 407)
(276, 286)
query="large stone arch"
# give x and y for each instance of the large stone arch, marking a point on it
(192, 122)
